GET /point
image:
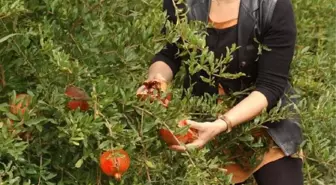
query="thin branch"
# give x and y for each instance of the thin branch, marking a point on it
(2, 76)
(2, 16)
(95, 106)
(151, 114)
(327, 165)
(73, 39)
(107, 121)
(98, 176)
(144, 146)
(41, 161)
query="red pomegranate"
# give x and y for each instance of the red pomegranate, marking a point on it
(115, 163)
(75, 104)
(21, 104)
(76, 93)
(154, 85)
(19, 107)
(169, 138)
(78, 98)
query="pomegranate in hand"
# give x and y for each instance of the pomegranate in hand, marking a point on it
(153, 89)
(169, 138)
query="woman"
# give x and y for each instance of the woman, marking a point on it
(240, 21)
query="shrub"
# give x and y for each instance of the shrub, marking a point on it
(104, 47)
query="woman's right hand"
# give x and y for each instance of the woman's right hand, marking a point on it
(153, 89)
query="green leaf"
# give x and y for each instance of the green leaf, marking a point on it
(4, 107)
(305, 49)
(150, 164)
(12, 116)
(3, 39)
(182, 130)
(246, 138)
(35, 121)
(79, 163)
(104, 144)
(257, 145)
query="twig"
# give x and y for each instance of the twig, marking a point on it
(144, 110)
(109, 52)
(73, 39)
(98, 176)
(2, 76)
(149, 113)
(320, 162)
(70, 175)
(144, 147)
(2, 16)
(41, 160)
(106, 120)
(95, 107)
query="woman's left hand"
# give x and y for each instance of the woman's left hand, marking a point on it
(206, 131)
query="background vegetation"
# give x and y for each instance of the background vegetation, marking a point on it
(104, 47)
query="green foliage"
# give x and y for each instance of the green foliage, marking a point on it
(104, 47)
(314, 74)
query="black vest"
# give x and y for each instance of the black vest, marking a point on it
(253, 21)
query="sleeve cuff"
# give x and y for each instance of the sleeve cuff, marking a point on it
(271, 98)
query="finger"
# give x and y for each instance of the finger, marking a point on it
(141, 90)
(195, 125)
(198, 143)
(165, 102)
(178, 148)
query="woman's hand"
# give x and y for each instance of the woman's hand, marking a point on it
(153, 90)
(206, 132)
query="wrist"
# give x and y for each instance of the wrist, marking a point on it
(158, 84)
(160, 80)
(223, 126)
(157, 77)
(227, 121)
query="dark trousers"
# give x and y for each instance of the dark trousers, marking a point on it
(285, 171)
